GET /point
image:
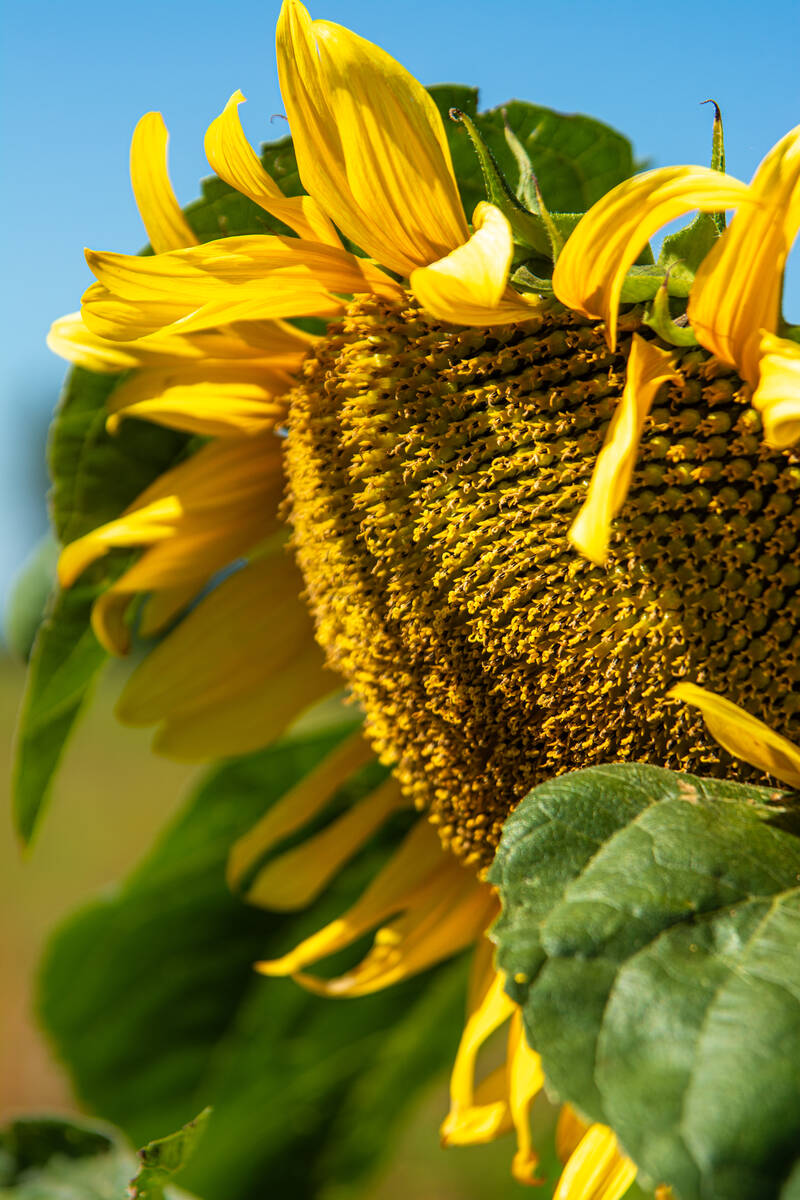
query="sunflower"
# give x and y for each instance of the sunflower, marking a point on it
(520, 513)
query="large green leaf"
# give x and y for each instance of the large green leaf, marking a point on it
(152, 1002)
(650, 930)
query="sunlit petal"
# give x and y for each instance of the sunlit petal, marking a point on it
(737, 290)
(648, 368)
(743, 735)
(166, 226)
(777, 396)
(232, 157)
(469, 286)
(591, 268)
(370, 143)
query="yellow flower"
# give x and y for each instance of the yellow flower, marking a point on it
(440, 446)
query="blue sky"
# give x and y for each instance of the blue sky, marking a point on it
(77, 76)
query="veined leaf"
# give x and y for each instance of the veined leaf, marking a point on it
(650, 930)
(166, 1156)
(152, 1001)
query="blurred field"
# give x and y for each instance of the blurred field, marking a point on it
(111, 797)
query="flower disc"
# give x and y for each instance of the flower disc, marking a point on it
(434, 473)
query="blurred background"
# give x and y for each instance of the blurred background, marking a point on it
(75, 79)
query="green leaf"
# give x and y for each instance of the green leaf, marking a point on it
(165, 1156)
(29, 595)
(650, 930)
(151, 999)
(64, 664)
(50, 1158)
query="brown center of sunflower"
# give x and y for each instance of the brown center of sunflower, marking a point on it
(434, 473)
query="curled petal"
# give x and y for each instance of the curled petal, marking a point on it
(648, 368)
(469, 286)
(737, 290)
(370, 143)
(232, 158)
(591, 268)
(161, 214)
(777, 396)
(472, 1120)
(742, 735)
(526, 1080)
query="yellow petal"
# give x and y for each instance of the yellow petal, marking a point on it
(294, 879)
(526, 1080)
(742, 735)
(777, 396)
(276, 344)
(468, 1122)
(569, 1131)
(737, 291)
(214, 400)
(370, 143)
(410, 873)
(192, 521)
(232, 157)
(591, 268)
(597, 1169)
(648, 368)
(299, 806)
(440, 923)
(218, 283)
(161, 214)
(235, 672)
(469, 286)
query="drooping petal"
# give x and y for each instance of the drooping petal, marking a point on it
(294, 879)
(526, 1080)
(591, 268)
(166, 226)
(648, 368)
(191, 522)
(299, 806)
(597, 1169)
(742, 735)
(444, 920)
(469, 286)
(232, 158)
(777, 396)
(218, 283)
(409, 874)
(233, 674)
(370, 143)
(213, 400)
(737, 290)
(469, 1122)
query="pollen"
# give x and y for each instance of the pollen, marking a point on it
(434, 473)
